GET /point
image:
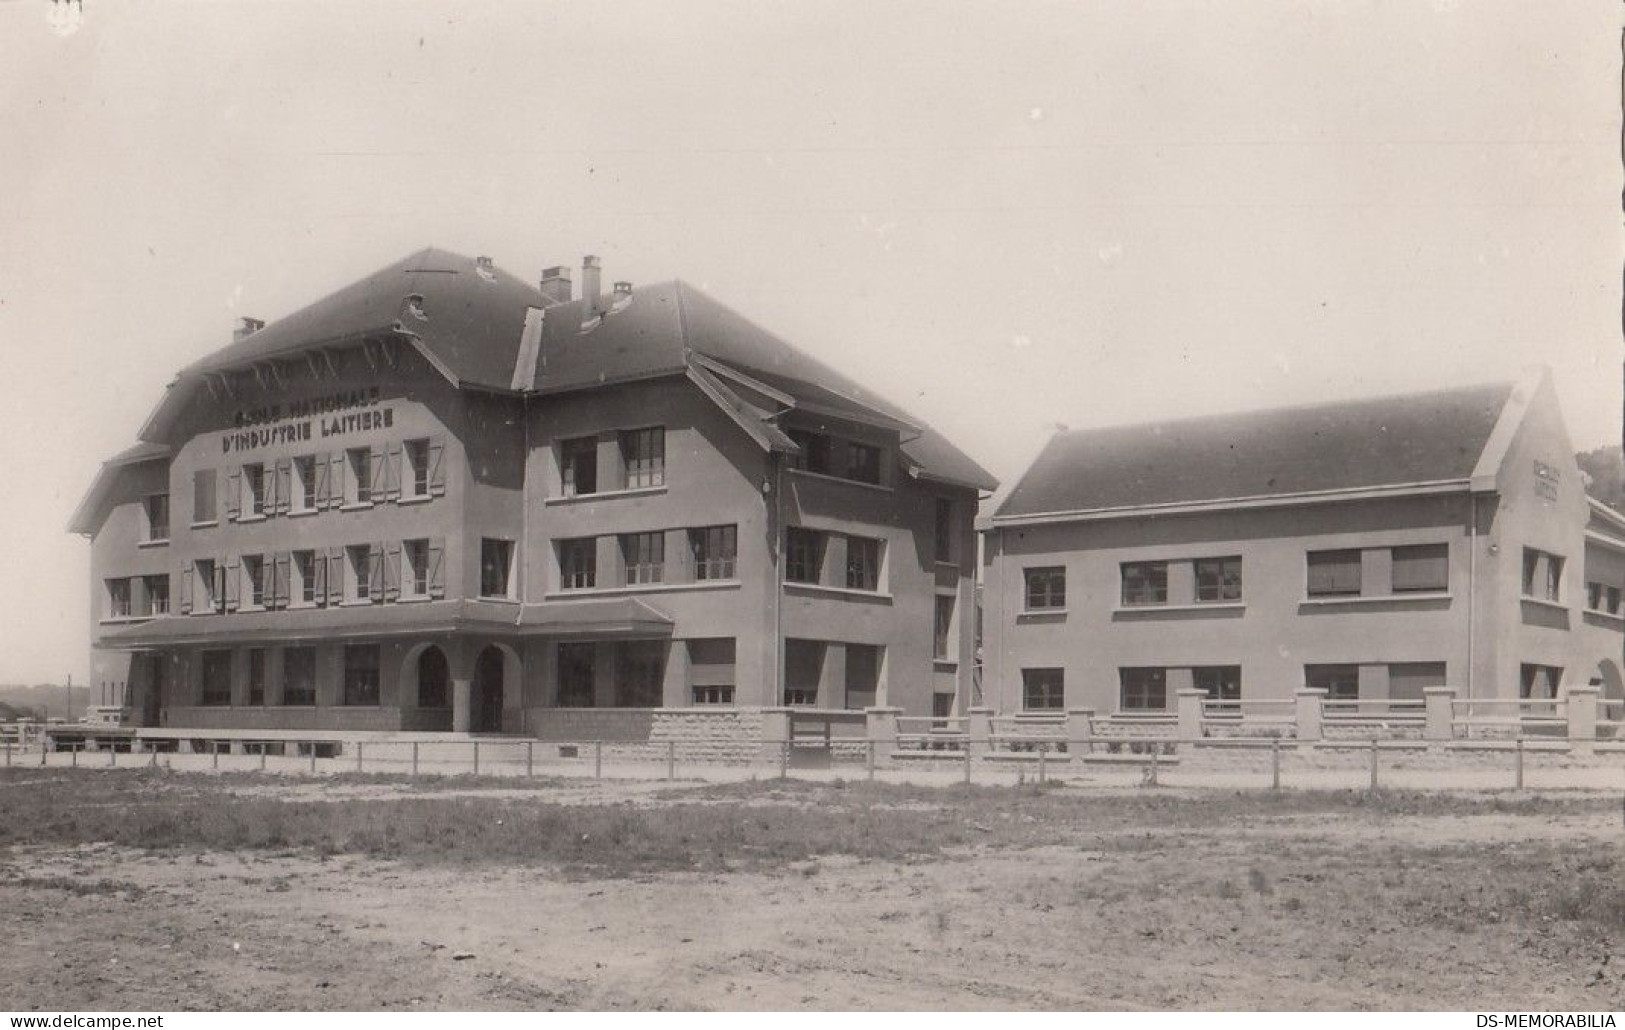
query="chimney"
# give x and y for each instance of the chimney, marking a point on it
(591, 270)
(485, 268)
(556, 284)
(246, 327)
(623, 290)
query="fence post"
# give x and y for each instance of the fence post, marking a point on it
(8, 754)
(1275, 763)
(358, 746)
(967, 763)
(153, 761)
(112, 755)
(1441, 707)
(869, 762)
(312, 746)
(1582, 712)
(1043, 749)
(1373, 763)
(1517, 782)
(214, 759)
(414, 758)
(671, 759)
(73, 757)
(1309, 713)
(1188, 707)
(264, 749)
(476, 758)
(1156, 758)
(597, 759)
(784, 759)
(530, 759)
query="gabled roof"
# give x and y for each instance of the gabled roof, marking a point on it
(89, 513)
(1386, 442)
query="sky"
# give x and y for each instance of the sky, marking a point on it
(1003, 216)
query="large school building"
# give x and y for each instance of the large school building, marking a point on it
(1369, 549)
(445, 499)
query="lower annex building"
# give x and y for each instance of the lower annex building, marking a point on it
(1370, 548)
(445, 499)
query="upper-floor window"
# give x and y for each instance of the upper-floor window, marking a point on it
(1046, 588)
(1601, 597)
(1218, 682)
(644, 557)
(1043, 690)
(364, 573)
(415, 575)
(715, 551)
(496, 567)
(1143, 689)
(209, 585)
(305, 483)
(1145, 582)
(943, 540)
(309, 577)
(361, 674)
(1421, 568)
(862, 563)
(578, 465)
(863, 462)
(157, 593)
(1542, 575)
(942, 628)
(253, 586)
(254, 489)
(358, 476)
(644, 454)
(815, 449)
(156, 508)
(1217, 579)
(415, 476)
(118, 598)
(803, 555)
(1334, 573)
(205, 496)
(1340, 681)
(578, 563)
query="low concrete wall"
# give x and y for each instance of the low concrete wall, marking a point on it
(336, 719)
(618, 725)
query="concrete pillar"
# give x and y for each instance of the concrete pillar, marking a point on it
(1376, 572)
(611, 563)
(1309, 712)
(462, 703)
(775, 732)
(832, 676)
(1181, 582)
(1188, 706)
(611, 463)
(833, 574)
(138, 746)
(1582, 709)
(979, 727)
(1374, 681)
(1080, 724)
(674, 685)
(603, 674)
(679, 569)
(238, 747)
(880, 726)
(1440, 703)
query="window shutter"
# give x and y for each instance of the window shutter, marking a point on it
(186, 589)
(284, 486)
(437, 466)
(219, 587)
(280, 580)
(375, 573)
(437, 571)
(392, 473)
(318, 576)
(392, 572)
(336, 491)
(233, 594)
(324, 479)
(378, 470)
(335, 575)
(234, 492)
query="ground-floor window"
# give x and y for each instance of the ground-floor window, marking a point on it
(577, 670)
(299, 676)
(1407, 680)
(1143, 689)
(1043, 690)
(1341, 682)
(256, 676)
(1219, 683)
(713, 695)
(1539, 682)
(640, 671)
(361, 674)
(803, 668)
(216, 678)
(862, 676)
(711, 675)
(942, 708)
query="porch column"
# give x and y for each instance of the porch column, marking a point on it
(1309, 712)
(462, 706)
(1582, 711)
(674, 687)
(832, 676)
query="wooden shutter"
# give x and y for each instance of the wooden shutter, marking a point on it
(375, 573)
(280, 580)
(318, 575)
(283, 490)
(392, 473)
(335, 575)
(437, 466)
(323, 465)
(234, 492)
(378, 471)
(437, 570)
(185, 599)
(336, 490)
(392, 572)
(233, 584)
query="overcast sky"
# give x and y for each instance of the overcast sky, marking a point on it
(1003, 216)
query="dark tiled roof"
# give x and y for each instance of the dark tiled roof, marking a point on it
(1385, 441)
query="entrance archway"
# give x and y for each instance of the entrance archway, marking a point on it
(434, 679)
(1611, 689)
(486, 716)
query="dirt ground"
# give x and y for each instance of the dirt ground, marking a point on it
(1311, 906)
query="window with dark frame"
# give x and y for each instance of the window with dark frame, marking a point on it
(1600, 597)
(417, 464)
(1145, 583)
(644, 452)
(715, 550)
(815, 451)
(208, 583)
(1340, 681)
(1046, 588)
(253, 581)
(578, 465)
(1043, 690)
(216, 678)
(942, 628)
(304, 470)
(496, 567)
(361, 674)
(1542, 575)
(158, 594)
(803, 555)
(118, 599)
(578, 563)
(862, 463)
(1333, 573)
(862, 563)
(1142, 689)
(358, 483)
(157, 507)
(299, 676)
(254, 488)
(359, 560)
(1218, 682)
(1217, 579)
(205, 496)
(415, 581)
(304, 567)
(1421, 568)
(1539, 682)
(644, 557)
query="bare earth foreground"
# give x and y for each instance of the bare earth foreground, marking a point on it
(149, 890)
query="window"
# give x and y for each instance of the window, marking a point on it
(644, 555)
(1046, 589)
(644, 451)
(639, 671)
(304, 572)
(1407, 680)
(721, 695)
(253, 489)
(253, 581)
(578, 463)
(942, 709)
(209, 581)
(496, 567)
(304, 487)
(360, 674)
(578, 563)
(415, 582)
(1421, 568)
(157, 508)
(1043, 690)
(814, 456)
(1334, 573)
(863, 463)
(358, 478)
(1603, 598)
(205, 497)
(118, 598)
(216, 678)
(863, 663)
(1218, 579)
(158, 594)
(416, 479)
(942, 628)
(1542, 575)
(715, 550)
(803, 555)
(1340, 682)
(1539, 682)
(256, 676)
(1143, 689)
(943, 540)
(299, 676)
(805, 697)
(1145, 582)
(862, 563)
(1218, 682)
(361, 561)
(576, 675)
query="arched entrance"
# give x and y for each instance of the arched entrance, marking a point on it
(434, 679)
(486, 716)
(1610, 685)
